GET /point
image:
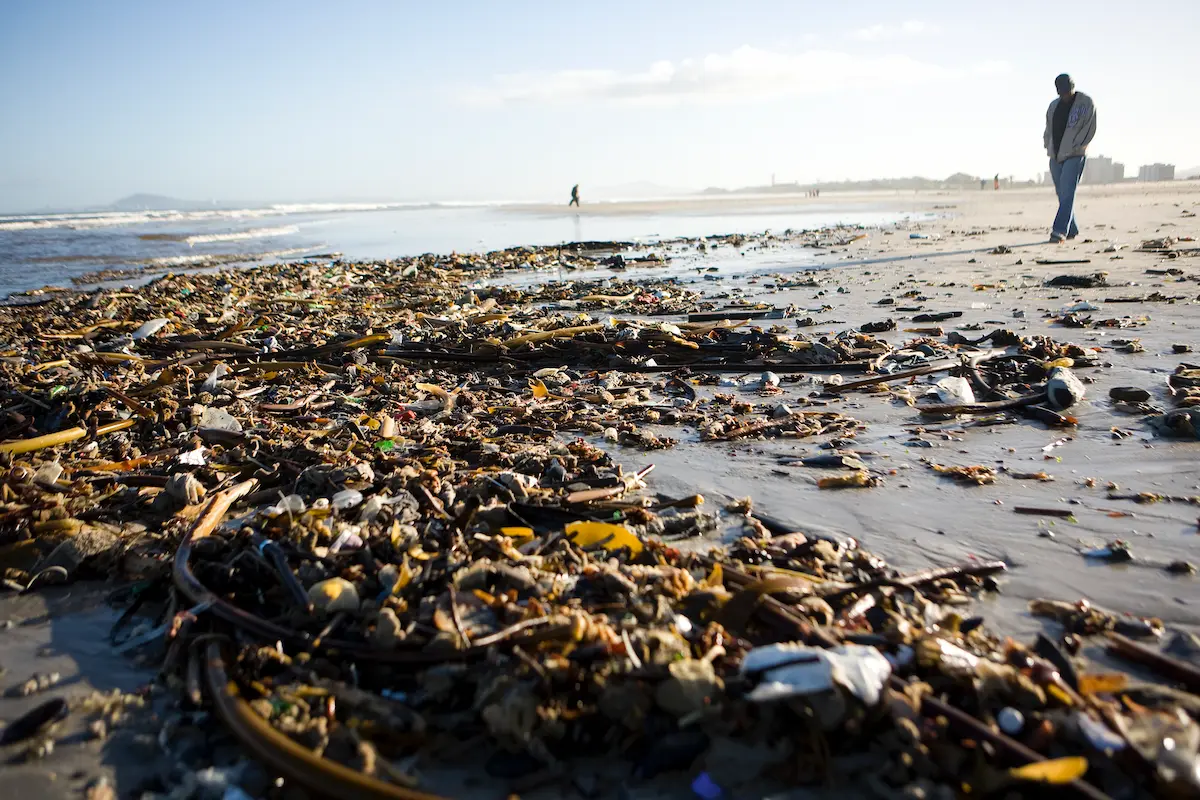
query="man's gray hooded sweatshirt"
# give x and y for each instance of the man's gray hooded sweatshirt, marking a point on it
(1081, 128)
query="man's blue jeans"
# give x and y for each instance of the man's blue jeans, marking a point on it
(1066, 176)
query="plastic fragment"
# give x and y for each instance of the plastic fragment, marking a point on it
(334, 594)
(1056, 771)
(610, 536)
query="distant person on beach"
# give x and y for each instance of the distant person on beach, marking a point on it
(996, 182)
(574, 196)
(1070, 127)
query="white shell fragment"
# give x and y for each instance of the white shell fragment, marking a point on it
(150, 328)
(335, 594)
(794, 670)
(955, 391)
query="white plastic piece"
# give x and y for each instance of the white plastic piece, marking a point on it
(150, 328)
(955, 391)
(346, 498)
(795, 670)
(193, 458)
(210, 383)
(293, 504)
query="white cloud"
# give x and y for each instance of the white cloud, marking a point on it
(880, 33)
(746, 74)
(990, 68)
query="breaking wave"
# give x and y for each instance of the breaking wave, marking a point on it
(235, 236)
(105, 219)
(223, 258)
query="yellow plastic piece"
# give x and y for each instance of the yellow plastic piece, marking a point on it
(586, 533)
(1102, 683)
(524, 534)
(1055, 771)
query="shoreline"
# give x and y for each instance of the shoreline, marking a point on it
(365, 236)
(891, 199)
(696, 205)
(642, 220)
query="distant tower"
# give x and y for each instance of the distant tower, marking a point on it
(772, 178)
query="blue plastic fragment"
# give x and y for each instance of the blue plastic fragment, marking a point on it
(705, 787)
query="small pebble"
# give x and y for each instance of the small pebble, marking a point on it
(1010, 721)
(98, 729)
(1129, 394)
(100, 789)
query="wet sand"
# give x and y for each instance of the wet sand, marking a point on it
(1129, 203)
(917, 518)
(735, 204)
(65, 630)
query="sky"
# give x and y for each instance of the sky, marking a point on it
(304, 101)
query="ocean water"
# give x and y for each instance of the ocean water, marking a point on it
(50, 250)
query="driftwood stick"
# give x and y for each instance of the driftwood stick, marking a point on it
(1163, 664)
(954, 572)
(983, 408)
(973, 728)
(927, 369)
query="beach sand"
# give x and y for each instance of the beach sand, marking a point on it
(983, 207)
(734, 204)
(918, 518)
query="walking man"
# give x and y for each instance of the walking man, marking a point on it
(1070, 127)
(574, 196)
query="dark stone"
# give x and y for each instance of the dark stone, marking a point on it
(1129, 394)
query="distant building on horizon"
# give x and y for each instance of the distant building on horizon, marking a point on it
(1157, 172)
(1102, 169)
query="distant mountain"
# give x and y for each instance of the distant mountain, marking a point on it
(158, 202)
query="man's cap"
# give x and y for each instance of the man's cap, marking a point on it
(1064, 83)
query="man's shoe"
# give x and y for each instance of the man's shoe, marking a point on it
(1057, 238)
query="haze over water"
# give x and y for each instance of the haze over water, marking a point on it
(36, 251)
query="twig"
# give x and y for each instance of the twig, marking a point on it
(1171, 667)
(926, 369)
(458, 625)
(1062, 513)
(983, 408)
(973, 569)
(932, 707)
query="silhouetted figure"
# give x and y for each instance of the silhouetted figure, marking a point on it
(574, 196)
(996, 182)
(1070, 126)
